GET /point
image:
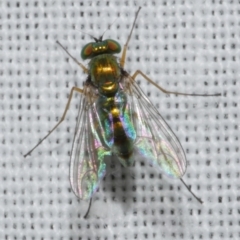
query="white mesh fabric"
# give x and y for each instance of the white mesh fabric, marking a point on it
(185, 46)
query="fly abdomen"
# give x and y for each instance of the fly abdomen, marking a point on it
(122, 141)
(116, 129)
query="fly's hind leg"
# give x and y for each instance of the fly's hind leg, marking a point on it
(78, 90)
(177, 93)
(170, 92)
(123, 57)
(189, 189)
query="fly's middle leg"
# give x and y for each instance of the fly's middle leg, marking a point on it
(138, 72)
(78, 90)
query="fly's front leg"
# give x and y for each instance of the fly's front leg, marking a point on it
(78, 90)
(73, 58)
(170, 92)
(122, 60)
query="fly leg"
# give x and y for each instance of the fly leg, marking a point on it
(78, 90)
(73, 58)
(189, 189)
(177, 93)
(170, 92)
(122, 60)
(88, 210)
(69, 100)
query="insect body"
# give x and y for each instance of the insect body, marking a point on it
(116, 118)
(110, 130)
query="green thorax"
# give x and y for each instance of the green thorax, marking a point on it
(105, 73)
(104, 70)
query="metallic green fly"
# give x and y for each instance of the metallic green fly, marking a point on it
(116, 118)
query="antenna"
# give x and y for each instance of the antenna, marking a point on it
(95, 39)
(101, 37)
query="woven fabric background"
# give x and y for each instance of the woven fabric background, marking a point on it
(185, 46)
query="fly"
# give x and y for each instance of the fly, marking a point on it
(116, 118)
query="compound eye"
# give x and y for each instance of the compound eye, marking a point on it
(87, 51)
(113, 46)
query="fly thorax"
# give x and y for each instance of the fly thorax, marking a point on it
(105, 74)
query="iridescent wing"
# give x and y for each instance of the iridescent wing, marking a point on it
(155, 139)
(87, 166)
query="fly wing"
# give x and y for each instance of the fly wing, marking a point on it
(155, 139)
(87, 167)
